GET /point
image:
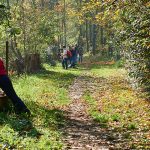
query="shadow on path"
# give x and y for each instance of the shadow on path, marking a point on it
(84, 135)
(80, 131)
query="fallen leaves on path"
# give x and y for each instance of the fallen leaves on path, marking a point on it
(81, 132)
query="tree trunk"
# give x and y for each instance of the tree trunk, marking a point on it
(65, 28)
(102, 36)
(94, 38)
(87, 36)
(91, 33)
(33, 63)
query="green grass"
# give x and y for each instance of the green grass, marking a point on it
(44, 94)
(115, 117)
(121, 110)
(102, 119)
(106, 70)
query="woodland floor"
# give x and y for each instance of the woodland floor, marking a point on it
(81, 132)
(92, 107)
(84, 132)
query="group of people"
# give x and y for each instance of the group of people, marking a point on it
(71, 55)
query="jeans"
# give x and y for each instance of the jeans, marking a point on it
(73, 61)
(80, 58)
(64, 63)
(7, 87)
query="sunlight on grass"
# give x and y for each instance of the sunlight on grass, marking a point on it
(114, 106)
(118, 107)
(44, 93)
(59, 69)
(107, 72)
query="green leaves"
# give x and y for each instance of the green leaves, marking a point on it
(3, 14)
(14, 31)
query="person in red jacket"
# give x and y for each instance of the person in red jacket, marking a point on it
(7, 87)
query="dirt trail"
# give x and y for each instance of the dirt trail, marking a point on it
(81, 132)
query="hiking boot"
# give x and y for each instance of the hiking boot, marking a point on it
(23, 111)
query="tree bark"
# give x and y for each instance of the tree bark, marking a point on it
(33, 63)
(94, 38)
(65, 28)
(87, 36)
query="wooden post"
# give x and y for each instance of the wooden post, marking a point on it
(7, 51)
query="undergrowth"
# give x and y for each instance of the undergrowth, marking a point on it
(115, 106)
(118, 108)
(44, 93)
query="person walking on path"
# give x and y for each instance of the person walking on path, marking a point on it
(64, 58)
(74, 56)
(69, 53)
(7, 87)
(76, 53)
(80, 53)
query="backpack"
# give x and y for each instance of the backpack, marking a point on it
(69, 54)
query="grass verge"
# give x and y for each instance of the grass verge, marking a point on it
(44, 93)
(119, 109)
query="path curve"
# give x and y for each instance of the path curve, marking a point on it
(81, 132)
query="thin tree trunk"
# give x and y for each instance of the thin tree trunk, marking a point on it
(24, 30)
(91, 33)
(87, 36)
(94, 38)
(102, 36)
(65, 28)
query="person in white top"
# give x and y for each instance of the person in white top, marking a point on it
(65, 58)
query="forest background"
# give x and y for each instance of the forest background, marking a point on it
(115, 36)
(112, 28)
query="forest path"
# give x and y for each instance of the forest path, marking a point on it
(81, 132)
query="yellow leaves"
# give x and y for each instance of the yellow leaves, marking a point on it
(47, 99)
(107, 16)
(58, 8)
(100, 63)
(100, 19)
(97, 3)
(147, 4)
(91, 6)
(11, 72)
(117, 14)
(105, 12)
(99, 16)
(81, 21)
(72, 13)
(148, 44)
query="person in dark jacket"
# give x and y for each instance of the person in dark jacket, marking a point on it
(80, 53)
(7, 87)
(74, 56)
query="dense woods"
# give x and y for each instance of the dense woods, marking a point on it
(112, 28)
(100, 103)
